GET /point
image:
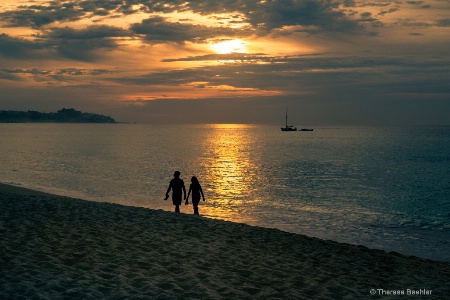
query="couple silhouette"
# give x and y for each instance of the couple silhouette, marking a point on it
(178, 188)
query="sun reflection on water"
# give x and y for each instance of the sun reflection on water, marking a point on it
(231, 171)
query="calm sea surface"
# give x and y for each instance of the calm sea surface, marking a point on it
(385, 188)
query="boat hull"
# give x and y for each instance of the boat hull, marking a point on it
(288, 129)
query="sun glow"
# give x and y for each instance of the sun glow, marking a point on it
(232, 46)
(231, 174)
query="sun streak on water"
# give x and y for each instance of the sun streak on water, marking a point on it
(230, 165)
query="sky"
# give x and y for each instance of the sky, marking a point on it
(349, 62)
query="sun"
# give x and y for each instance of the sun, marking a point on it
(225, 47)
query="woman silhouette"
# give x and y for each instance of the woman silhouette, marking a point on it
(196, 189)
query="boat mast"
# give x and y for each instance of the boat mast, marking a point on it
(286, 117)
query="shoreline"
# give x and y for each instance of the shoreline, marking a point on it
(55, 246)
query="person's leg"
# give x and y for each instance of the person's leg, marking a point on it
(195, 204)
(176, 200)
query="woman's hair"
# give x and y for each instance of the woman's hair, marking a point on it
(194, 180)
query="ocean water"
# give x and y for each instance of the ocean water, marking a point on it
(383, 187)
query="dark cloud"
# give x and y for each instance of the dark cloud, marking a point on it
(159, 30)
(323, 14)
(275, 14)
(84, 50)
(349, 3)
(443, 22)
(415, 2)
(366, 15)
(6, 75)
(420, 4)
(91, 32)
(36, 16)
(388, 11)
(83, 44)
(263, 16)
(17, 48)
(77, 71)
(413, 23)
(40, 75)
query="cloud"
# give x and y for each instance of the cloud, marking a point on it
(33, 71)
(419, 4)
(263, 16)
(6, 75)
(158, 30)
(91, 32)
(36, 16)
(82, 44)
(323, 14)
(13, 47)
(76, 44)
(40, 75)
(388, 11)
(443, 22)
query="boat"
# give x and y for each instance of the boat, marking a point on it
(288, 127)
(306, 129)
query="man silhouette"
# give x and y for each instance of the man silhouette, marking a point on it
(177, 187)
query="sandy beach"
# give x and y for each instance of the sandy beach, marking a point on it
(55, 247)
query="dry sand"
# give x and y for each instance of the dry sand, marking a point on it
(53, 247)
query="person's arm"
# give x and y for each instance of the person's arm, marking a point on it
(168, 190)
(184, 190)
(201, 191)
(187, 198)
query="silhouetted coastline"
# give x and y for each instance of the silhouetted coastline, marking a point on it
(65, 115)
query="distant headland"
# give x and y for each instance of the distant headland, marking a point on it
(65, 115)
